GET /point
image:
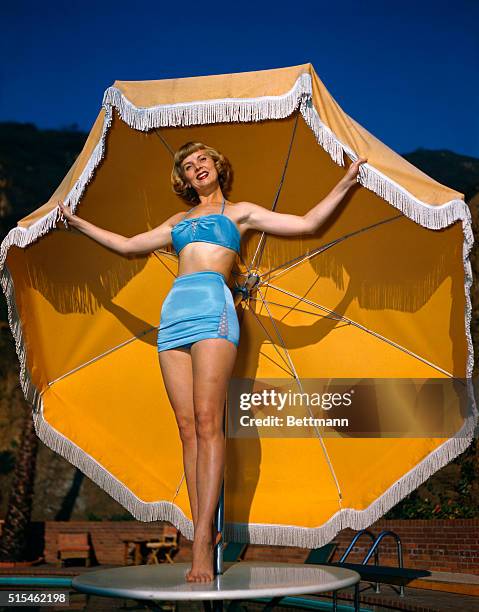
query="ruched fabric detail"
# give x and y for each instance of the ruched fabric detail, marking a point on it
(199, 306)
(214, 228)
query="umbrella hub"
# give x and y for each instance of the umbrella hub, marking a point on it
(243, 291)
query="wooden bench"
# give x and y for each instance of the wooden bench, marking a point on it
(73, 546)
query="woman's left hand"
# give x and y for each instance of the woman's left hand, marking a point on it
(353, 171)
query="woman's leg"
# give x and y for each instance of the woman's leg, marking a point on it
(176, 368)
(212, 362)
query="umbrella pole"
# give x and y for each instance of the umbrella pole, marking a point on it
(217, 604)
(219, 521)
(219, 517)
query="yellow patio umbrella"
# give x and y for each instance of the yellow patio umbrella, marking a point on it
(381, 292)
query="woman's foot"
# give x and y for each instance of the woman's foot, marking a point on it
(202, 566)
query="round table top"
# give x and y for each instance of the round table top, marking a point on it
(240, 580)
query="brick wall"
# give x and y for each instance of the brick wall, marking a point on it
(105, 537)
(440, 545)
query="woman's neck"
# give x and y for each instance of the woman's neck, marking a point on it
(214, 197)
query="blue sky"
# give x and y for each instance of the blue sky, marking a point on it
(407, 71)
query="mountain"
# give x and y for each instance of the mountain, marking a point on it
(32, 164)
(459, 172)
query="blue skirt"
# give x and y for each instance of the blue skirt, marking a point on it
(198, 306)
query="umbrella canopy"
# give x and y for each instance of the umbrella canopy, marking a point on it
(380, 292)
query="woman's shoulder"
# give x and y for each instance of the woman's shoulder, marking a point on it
(242, 206)
(175, 218)
(242, 210)
(235, 211)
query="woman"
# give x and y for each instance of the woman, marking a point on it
(199, 332)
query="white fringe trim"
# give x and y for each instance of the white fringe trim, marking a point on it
(244, 110)
(225, 110)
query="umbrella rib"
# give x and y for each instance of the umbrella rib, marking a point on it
(290, 308)
(298, 381)
(169, 149)
(272, 342)
(164, 252)
(262, 240)
(301, 258)
(155, 253)
(178, 487)
(266, 356)
(110, 350)
(369, 331)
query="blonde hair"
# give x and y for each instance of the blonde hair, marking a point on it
(178, 180)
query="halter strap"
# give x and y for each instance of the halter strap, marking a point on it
(223, 206)
(191, 209)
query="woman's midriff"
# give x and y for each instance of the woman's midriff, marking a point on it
(198, 256)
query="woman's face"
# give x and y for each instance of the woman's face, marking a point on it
(200, 171)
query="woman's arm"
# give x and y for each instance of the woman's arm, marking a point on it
(157, 238)
(283, 224)
(135, 245)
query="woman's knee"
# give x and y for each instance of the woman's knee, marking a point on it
(187, 429)
(208, 422)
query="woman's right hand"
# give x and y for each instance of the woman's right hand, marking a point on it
(64, 214)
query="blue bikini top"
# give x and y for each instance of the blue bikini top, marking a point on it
(216, 228)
